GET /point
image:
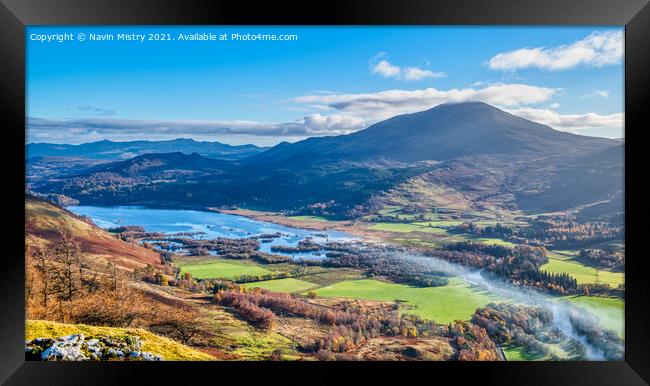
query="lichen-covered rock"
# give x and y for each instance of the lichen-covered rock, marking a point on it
(94, 349)
(67, 348)
(144, 356)
(34, 348)
(77, 348)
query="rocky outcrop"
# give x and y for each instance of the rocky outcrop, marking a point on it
(79, 348)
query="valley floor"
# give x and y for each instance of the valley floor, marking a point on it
(457, 300)
(224, 335)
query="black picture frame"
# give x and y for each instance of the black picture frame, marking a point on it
(16, 14)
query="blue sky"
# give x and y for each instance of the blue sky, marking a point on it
(331, 80)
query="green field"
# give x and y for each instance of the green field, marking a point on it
(405, 228)
(283, 285)
(609, 311)
(446, 238)
(220, 269)
(561, 263)
(513, 353)
(439, 223)
(457, 300)
(493, 241)
(521, 354)
(415, 241)
(459, 238)
(492, 223)
(436, 225)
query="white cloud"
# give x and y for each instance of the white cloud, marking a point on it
(337, 114)
(72, 130)
(414, 73)
(332, 124)
(571, 122)
(514, 98)
(602, 93)
(597, 93)
(596, 50)
(384, 104)
(385, 69)
(388, 70)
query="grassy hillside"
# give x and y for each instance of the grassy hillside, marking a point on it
(158, 345)
(46, 222)
(406, 228)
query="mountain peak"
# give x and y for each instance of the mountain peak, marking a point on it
(446, 131)
(473, 109)
(466, 103)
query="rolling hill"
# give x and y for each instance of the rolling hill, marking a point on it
(46, 223)
(47, 160)
(158, 164)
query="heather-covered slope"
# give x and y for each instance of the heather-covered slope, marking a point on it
(46, 223)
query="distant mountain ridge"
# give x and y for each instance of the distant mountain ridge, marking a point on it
(110, 150)
(156, 162)
(479, 152)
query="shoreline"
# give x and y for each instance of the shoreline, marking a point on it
(353, 228)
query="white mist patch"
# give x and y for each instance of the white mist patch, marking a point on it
(561, 311)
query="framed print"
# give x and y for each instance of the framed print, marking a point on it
(406, 187)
